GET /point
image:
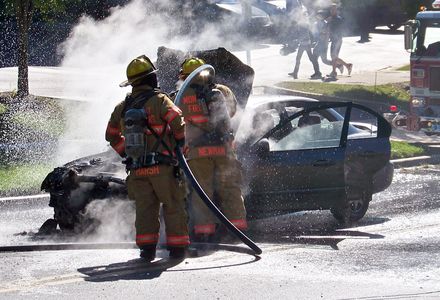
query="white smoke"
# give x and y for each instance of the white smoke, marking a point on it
(113, 220)
(97, 52)
(128, 31)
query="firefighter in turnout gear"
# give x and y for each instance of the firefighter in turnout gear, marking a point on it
(144, 129)
(207, 109)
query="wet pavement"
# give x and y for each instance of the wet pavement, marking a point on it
(391, 253)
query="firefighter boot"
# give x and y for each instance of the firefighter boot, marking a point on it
(177, 252)
(148, 253)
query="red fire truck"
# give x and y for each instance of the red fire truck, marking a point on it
(422, 39)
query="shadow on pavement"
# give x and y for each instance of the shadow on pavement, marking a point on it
(136, 269)
(139, 269)
(329, 239)
(310, 229)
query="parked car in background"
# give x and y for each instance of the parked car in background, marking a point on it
(375, 13)
(364, 15)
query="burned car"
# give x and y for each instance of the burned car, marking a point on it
(76, 184)
(296, 153)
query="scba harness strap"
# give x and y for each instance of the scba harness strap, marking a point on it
(136, 120)
(204, 96)
(212, 134)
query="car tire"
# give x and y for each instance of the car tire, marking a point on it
(66, 220)
(48, 227)
(354, 211)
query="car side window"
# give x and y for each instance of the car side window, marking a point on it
(362, 125)
(314, 130)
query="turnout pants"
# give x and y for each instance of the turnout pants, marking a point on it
(220, 177)
(150, 187)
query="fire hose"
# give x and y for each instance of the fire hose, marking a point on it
(186, 169)
(114, 246)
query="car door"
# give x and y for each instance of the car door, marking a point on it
(303, 167)
(367, 153)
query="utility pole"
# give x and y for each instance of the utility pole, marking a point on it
(246, 9)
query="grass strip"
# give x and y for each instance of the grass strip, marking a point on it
(404, 68)
(23, 178)
(396, 93)
(401, 149)
(40, 115)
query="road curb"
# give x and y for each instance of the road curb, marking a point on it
(21, 198)
(416, 161)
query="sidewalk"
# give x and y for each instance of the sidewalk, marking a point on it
(379, 77)
(416, 161)
(373, 62)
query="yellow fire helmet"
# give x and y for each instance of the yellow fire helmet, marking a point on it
(138, 68)
(190, 64)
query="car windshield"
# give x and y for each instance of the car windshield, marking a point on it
(427, 38)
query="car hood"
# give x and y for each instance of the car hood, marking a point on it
(229, 70)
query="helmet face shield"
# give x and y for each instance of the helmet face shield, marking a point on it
(138, 68)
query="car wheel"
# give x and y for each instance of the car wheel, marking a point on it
(48, 227)
(354, 211)
(66, 220)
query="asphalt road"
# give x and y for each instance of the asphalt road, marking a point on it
(390, 254)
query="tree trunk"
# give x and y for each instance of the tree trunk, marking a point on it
(24, 20)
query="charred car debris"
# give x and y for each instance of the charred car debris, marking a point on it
(296, 153)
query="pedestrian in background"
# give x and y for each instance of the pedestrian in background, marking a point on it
(321, 35)
(336, 34)
(305, 45)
